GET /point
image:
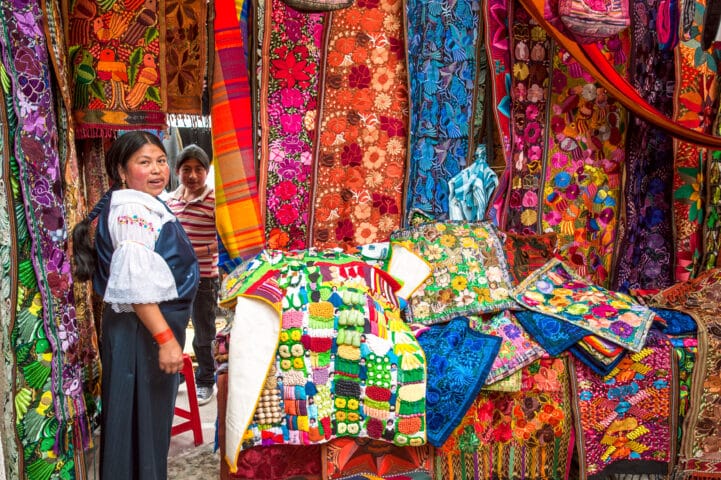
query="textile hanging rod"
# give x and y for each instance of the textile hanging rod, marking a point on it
(593, 60)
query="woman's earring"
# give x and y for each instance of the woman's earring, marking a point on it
(123, 184)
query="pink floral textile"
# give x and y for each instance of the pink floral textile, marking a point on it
(556, 290)
(289, 96)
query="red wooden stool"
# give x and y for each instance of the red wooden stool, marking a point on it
(192, 416)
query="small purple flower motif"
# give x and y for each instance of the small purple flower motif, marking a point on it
(622, 329)
(544, 286)
(511, 331)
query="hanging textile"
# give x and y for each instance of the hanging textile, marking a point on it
(497, 41)
(185, 59)
(528, 434)
(292, 47)
(712, 205)
(347, 458)
(442, 63)
(360, 160)
(696, 94)
(8, 259)
(26, 60)
(117, 50)
(237, 209)
(700, 297)
(644, 255)
(470, 191)
(531, 54)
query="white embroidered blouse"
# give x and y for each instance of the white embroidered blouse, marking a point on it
(137, 273)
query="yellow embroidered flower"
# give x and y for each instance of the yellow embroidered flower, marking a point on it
(295, 335)
(459, 283)
(558, 301)
(298, 363)
(285, 364)
(340, 416)
(448, 241)
(352, 405)
(284, 336)
(340, 402)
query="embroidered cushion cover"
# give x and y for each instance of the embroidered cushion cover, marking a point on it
(556, 290)
(345, 364)
(459, 359)
(470, 273)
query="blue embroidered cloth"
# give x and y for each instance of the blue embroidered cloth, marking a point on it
(554, 335)
(600, 368)
(458, 360)
(677, 323)
(471, 190)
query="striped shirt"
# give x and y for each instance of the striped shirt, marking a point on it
(198, 220)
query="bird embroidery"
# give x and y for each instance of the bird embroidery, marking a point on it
(110, 69)
(147, 77)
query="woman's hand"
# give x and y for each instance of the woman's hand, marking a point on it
(170, 356)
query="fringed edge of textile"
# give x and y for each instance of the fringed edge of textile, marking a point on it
(684, 471)
(189, 120)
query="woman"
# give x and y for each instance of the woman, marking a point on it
(144, 267)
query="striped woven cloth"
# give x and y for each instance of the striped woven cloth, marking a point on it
(237, 213)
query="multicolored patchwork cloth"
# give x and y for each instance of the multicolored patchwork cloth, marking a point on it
(363, 125)
(645, 239)
(237, 209)
(699, 456)
(339, 359)
(627, 420)
(517, 348)
(288, 100)
(556, 290)
(459, 359)
(442, 38)
(118, 51)
(528, 434)
(348, 458)
(469, 271)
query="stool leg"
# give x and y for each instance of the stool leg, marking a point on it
(195, 423)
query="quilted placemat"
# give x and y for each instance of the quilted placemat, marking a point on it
(517, 348)
(469, 270)
(557, 291)
(458, 361)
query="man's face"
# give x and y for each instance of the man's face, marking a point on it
(192, 175)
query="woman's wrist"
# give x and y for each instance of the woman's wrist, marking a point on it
(164, 336)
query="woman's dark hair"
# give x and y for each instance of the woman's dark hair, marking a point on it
(84, 254)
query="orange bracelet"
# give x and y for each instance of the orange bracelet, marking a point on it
(164, 336)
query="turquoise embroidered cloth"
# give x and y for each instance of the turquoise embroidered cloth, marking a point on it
(556, 290)
(471, 189)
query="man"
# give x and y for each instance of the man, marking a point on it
(193, 203)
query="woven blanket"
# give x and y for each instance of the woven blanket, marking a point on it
(288, 110)
(339, 359)
(363, 129)
(469, 273)
(699, 453)
(186, 54)
(645, 240)
(442, 37)
(117, 50)
(584, 157)
(497, 42)
(35, 149)
(459, 359)
(696, 90)
(557, 291)
(237, 209)
(348, 458)
(528, 434)
(517, 348)
(531, 80)
(627, 420)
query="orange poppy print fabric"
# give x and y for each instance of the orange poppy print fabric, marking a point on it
(363, 127)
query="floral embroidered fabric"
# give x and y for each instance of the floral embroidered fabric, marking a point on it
(645, 238)
(531, 47)
(528, 434)
(458, 359)
(186, 53)
(585, 152)
(288, 110)
(590, 351)
(695, 91)
(346, 364)
(554, 335)
(556, 290)
(469, 275)
(363, 129)
(629, 415)
(442, 39)
(517, 348)
(526, 253)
